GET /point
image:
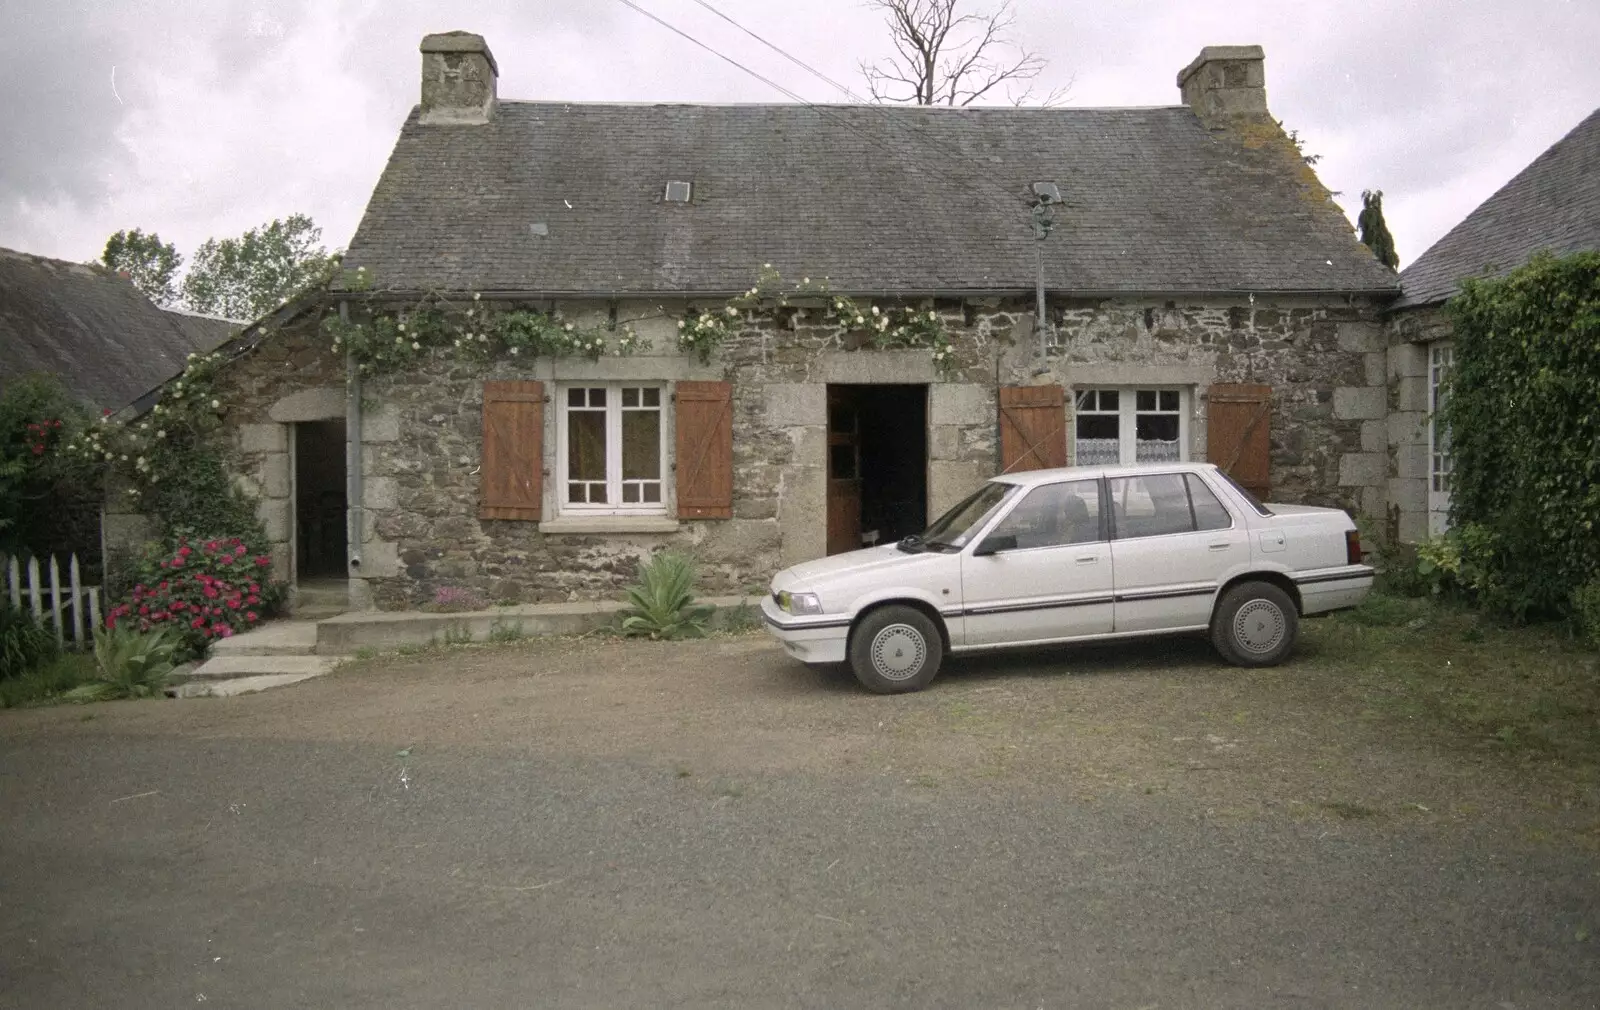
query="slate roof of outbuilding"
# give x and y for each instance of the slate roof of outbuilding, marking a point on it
(876, 199)
(1553, 204)
(107, 341)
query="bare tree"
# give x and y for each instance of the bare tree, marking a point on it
(944, 56)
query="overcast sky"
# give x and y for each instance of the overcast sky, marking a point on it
(196, 118)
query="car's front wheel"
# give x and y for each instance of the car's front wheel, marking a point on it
(895, 649)
(1255, 624)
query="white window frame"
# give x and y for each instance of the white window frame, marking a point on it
(1441, 462)
(613, 426)
(1127, 414)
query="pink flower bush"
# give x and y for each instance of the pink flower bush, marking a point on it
(205, 594)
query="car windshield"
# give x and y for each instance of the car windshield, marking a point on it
(954, 528)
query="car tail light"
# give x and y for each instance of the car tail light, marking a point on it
(1352, 547)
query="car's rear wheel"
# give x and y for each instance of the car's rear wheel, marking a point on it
(895, 649)
(1255, 624)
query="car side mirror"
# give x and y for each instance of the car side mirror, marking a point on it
(996, 544)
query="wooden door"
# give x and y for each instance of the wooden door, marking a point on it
(844, 471)
(1238, 437)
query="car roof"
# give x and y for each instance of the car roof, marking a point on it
(1031, 478)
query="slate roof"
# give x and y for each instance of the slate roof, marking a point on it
(896, 199)
(1552, 204)
(105, 339)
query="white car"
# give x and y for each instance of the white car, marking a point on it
(1071, 555)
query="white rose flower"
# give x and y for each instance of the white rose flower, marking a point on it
(933, 317)
(732, 311)
(570, 327)
(805, 280)
(874, 310)
(680, 324)
(513, 352)
(109, 457)
(477, 295)
(766, 266)
(216, 404)
(859, 320)
(415, 346)
(161, 433)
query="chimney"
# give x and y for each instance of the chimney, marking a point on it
(458, 79)
(1226, 82)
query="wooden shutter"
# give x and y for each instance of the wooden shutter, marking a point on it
(704, 458)
(1237, 426)
(1033, 428)
(513, 450)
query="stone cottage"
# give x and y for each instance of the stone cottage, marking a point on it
(1202, 298)
(1552, 205)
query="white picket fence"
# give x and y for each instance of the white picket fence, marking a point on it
(68, 605)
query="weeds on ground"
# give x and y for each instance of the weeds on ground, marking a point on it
(501, 632)
(663, 604)
(1526, 690)
(47, 682)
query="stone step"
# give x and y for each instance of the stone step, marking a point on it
(236, 685)
(390, 629)
(275, 638)
(234, 667)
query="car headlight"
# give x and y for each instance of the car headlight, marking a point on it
(800, 603)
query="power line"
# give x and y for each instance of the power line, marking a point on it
(967, 183)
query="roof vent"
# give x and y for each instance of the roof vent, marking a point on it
(678, 192)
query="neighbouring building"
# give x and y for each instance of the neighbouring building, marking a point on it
(107, 342)
(1552, 206)
(1204, 298)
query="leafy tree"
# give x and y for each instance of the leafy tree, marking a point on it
(150, 263)
(248, 276)
(944, 56)
(47, 499)
(1374, 232)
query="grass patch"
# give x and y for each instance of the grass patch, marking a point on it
(46, 683)
(506, 631)
(1528, 690)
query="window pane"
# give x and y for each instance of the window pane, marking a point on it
(1108, 399)
(575, 396)
(652, 396)
(652, 493)
(1156, 438)
(1086, 399)
(630, 397)
(1150, 506)
(1097, 443)
(1145, 399)
(630, 494)
(1097, 426)
(586, 445)
(597, 397)
(641, 445)
(1208, 511)
(1055, 514)
(1169, 399)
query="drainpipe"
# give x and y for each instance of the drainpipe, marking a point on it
(352, 456)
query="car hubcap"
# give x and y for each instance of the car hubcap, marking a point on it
(1259, 626)
(898, 652)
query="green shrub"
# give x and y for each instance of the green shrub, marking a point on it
(663, 604)
(1461, 565)
(128, 664)
(1523, 409)
(1586, 610)
(24, 642)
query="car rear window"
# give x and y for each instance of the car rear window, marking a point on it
(1253, 501)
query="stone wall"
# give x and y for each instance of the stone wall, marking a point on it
(1325, 362)
(422, 430)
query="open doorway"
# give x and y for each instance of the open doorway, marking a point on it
(877, 464)
(319, 499)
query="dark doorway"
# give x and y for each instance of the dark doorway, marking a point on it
(877, 464)
(319, 498)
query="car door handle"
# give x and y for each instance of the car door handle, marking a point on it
(1088, 559)
(1222, 546)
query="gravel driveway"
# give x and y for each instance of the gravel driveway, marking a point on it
(598, 824)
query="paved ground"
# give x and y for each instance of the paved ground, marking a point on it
(600, 824)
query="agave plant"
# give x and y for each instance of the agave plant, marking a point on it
(130, 664)
(663, 601)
